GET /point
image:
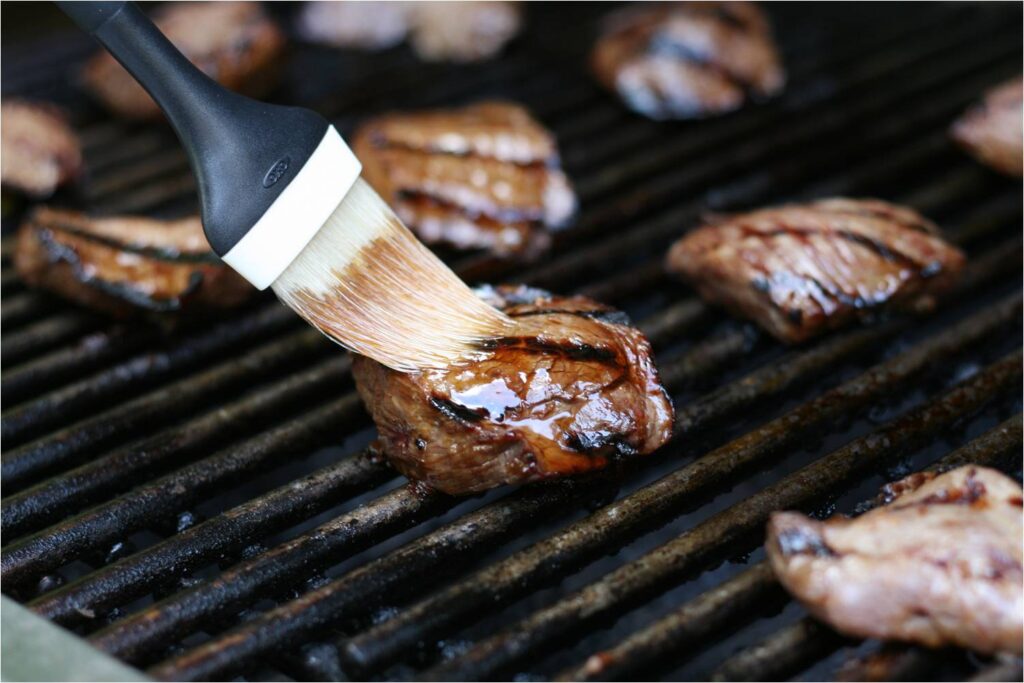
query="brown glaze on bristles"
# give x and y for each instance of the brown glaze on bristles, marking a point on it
(369, 285)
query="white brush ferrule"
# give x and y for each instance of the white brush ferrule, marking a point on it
(303, 207)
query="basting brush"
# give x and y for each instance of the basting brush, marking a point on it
(282, 203)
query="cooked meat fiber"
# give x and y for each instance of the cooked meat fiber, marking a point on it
(801, 269)
(39, 150)
(992, 131)
(482, 177)
(682, 60)
(939, 565)
(232, 42)
(574, 388)
(126, 264)
(438, 31)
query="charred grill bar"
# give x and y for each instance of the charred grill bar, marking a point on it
(166, 496)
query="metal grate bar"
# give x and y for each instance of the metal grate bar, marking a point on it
(90, 353)
(44, 336)
(18, 424)
(35, 555)
(33, 508)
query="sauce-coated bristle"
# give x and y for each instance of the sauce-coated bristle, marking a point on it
(368, 284)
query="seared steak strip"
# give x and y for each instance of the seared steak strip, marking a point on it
(126, 264)
(940, 564)
(801, 269)
(573, 389)
(688, 59)
(485, 176)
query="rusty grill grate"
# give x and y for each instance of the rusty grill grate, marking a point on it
(198, 501)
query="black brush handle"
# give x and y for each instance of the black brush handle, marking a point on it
(242, 152)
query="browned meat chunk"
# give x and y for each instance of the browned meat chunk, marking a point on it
(681, 60)
(39, 150)
(991, 130)
(939, 565)
(127, 264)
(574, 388)
(232, 42)
(355, 24)
(485, 176)
(438, 31)
(463, 31)
(801, 269)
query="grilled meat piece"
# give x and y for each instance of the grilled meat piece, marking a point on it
(682, 60)
(463, 31)
(991, 131)
(439, 31)
(939, 565)
(354, 24)
(126, 264)
(484, 176)
(39, 149)
(574, 388)
(801, 269)
(232, 42)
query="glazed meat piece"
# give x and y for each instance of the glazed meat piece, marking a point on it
(232, 42)
(126, 264)
(439, 31)
(801, 269)
(574, 388)
(682, 60)
(485, 176)
(991, 130)
(39, 150)
(939, 565)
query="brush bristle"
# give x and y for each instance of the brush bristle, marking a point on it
(368, 284)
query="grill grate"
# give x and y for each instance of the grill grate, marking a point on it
(199, 501)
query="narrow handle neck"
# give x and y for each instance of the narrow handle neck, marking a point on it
(244, 153)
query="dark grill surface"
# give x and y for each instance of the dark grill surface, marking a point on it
(198, 501)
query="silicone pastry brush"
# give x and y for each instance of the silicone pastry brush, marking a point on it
(282, 203)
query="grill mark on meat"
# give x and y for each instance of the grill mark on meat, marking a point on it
(803, 232)
(888, 216)
(456, 411)
(578, 351)
(663, 46)
(380, 141)
(155, 253)
(61, 252)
